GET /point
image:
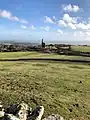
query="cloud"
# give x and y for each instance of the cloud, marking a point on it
(48, 20)
(74, 34)
(60, 31)
(23, 26)
(72, 22)
(54, 17)
(46, 28)
(8, 15)
(33, 27)
(72, 26)
(62, 23)
(82, 34)
(69, 19)
(69, 22)
(70, 8)
(82, 26)
(23, 21)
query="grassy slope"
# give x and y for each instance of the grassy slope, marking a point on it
(11, 55)
(55, 85)
(81, 48)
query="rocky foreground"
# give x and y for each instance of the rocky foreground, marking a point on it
(24, 112)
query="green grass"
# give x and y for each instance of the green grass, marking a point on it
(81, 48)
(12, 55)
(55, 85)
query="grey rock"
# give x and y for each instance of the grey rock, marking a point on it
(54, 117)
(23, 112)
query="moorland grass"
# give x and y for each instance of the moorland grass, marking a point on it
(62, 88)
(18, 55)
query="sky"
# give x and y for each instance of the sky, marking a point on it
(57, 21)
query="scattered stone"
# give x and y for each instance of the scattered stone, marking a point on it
(54, 117)
(83, 106)
(1, 106)
(23, 112)
(1, 114)
(77, 105)
(37, 113)
(12, 109)
(70, 110)
(1, 110)
(80, 82)
(10, 117)
(75, 90)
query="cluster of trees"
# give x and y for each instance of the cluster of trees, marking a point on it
(17, 47)
(14, 47)
(28, 47)
(51, 48)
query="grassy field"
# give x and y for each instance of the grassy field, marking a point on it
(81, 48)
(12, 55)
(62, 88)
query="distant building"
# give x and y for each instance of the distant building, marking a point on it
(43, 44)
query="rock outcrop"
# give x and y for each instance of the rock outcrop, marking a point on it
(23, 112)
